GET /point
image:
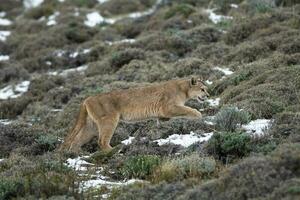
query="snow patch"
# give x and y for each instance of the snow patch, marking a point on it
(10, 92)
(208, 82)
(4, 35)
(226, 71)
(66, 72)
(5, 22)
(215, 18)
(1, 159)
(95, 18)
(102, 1)
(234, 5)
(61, 1)
(74, 55)
(98, 182)
(5, 121)
(32, 3)
(257, 127)
(128, 141)
(59, 53)
(213, 102)
(51, 19)
(121, 41)
(78, 163)
(185, 140)
(2, 14)
(4, 57)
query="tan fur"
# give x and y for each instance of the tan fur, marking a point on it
(104, 111)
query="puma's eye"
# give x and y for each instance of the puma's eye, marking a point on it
(203, 89)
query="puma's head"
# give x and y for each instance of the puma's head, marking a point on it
(197, 90)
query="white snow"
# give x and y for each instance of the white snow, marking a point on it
(61, 1)
(102, 1)
(1, 159)
(234, 5)
(5, 121)
(51, 19)
(5, 22)
(95, 18)
(208, 82)
(127, 141)
(10, 92)
(98, 182)
(121, 41)
(215, 18)
(257, 127)
(74, 55)
(78, 163)
(214, 102)
(59, 53)
(32, 3)
(4, 35)
(66, 72)
(4, 57)
(85, 51)
(226, 71)
(184, 140)
(2, 14)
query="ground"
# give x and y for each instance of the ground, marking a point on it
(55, 53)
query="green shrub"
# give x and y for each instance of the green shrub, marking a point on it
(10, 188)
(233, 144)
(181, 9)
(47, 142)
(230, 118)
(121, 58)
(140, 166)
(40, 11)
(77, 33)
(262, 6)
(190, 166)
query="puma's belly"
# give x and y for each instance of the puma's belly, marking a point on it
(138, 113)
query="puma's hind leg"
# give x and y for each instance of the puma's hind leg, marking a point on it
(107, 126)
(84, 136)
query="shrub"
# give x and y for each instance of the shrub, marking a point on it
(78, 33)
(140, 166)
(121, 58)
(255, 178)
(262, 6)
(230, 118)
(190, 166)
(10, 188)
(225, 145)
(180, 9)
(40, 11)
(47, 142)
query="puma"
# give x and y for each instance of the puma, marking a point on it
(104, 111)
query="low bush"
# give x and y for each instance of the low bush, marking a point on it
(40, 11)
(140, 166)
(255, 177)
(121, 58)
(190, 166)
(227, 146)
(180, 9)
(231, 118)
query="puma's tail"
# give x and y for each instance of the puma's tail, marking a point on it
(80, 123)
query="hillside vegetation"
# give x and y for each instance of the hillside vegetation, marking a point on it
(55, 53)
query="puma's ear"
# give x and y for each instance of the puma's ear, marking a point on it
(193, 81)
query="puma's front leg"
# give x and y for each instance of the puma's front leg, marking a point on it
(181, 111)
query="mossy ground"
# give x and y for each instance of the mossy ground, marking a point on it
(261, 44)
